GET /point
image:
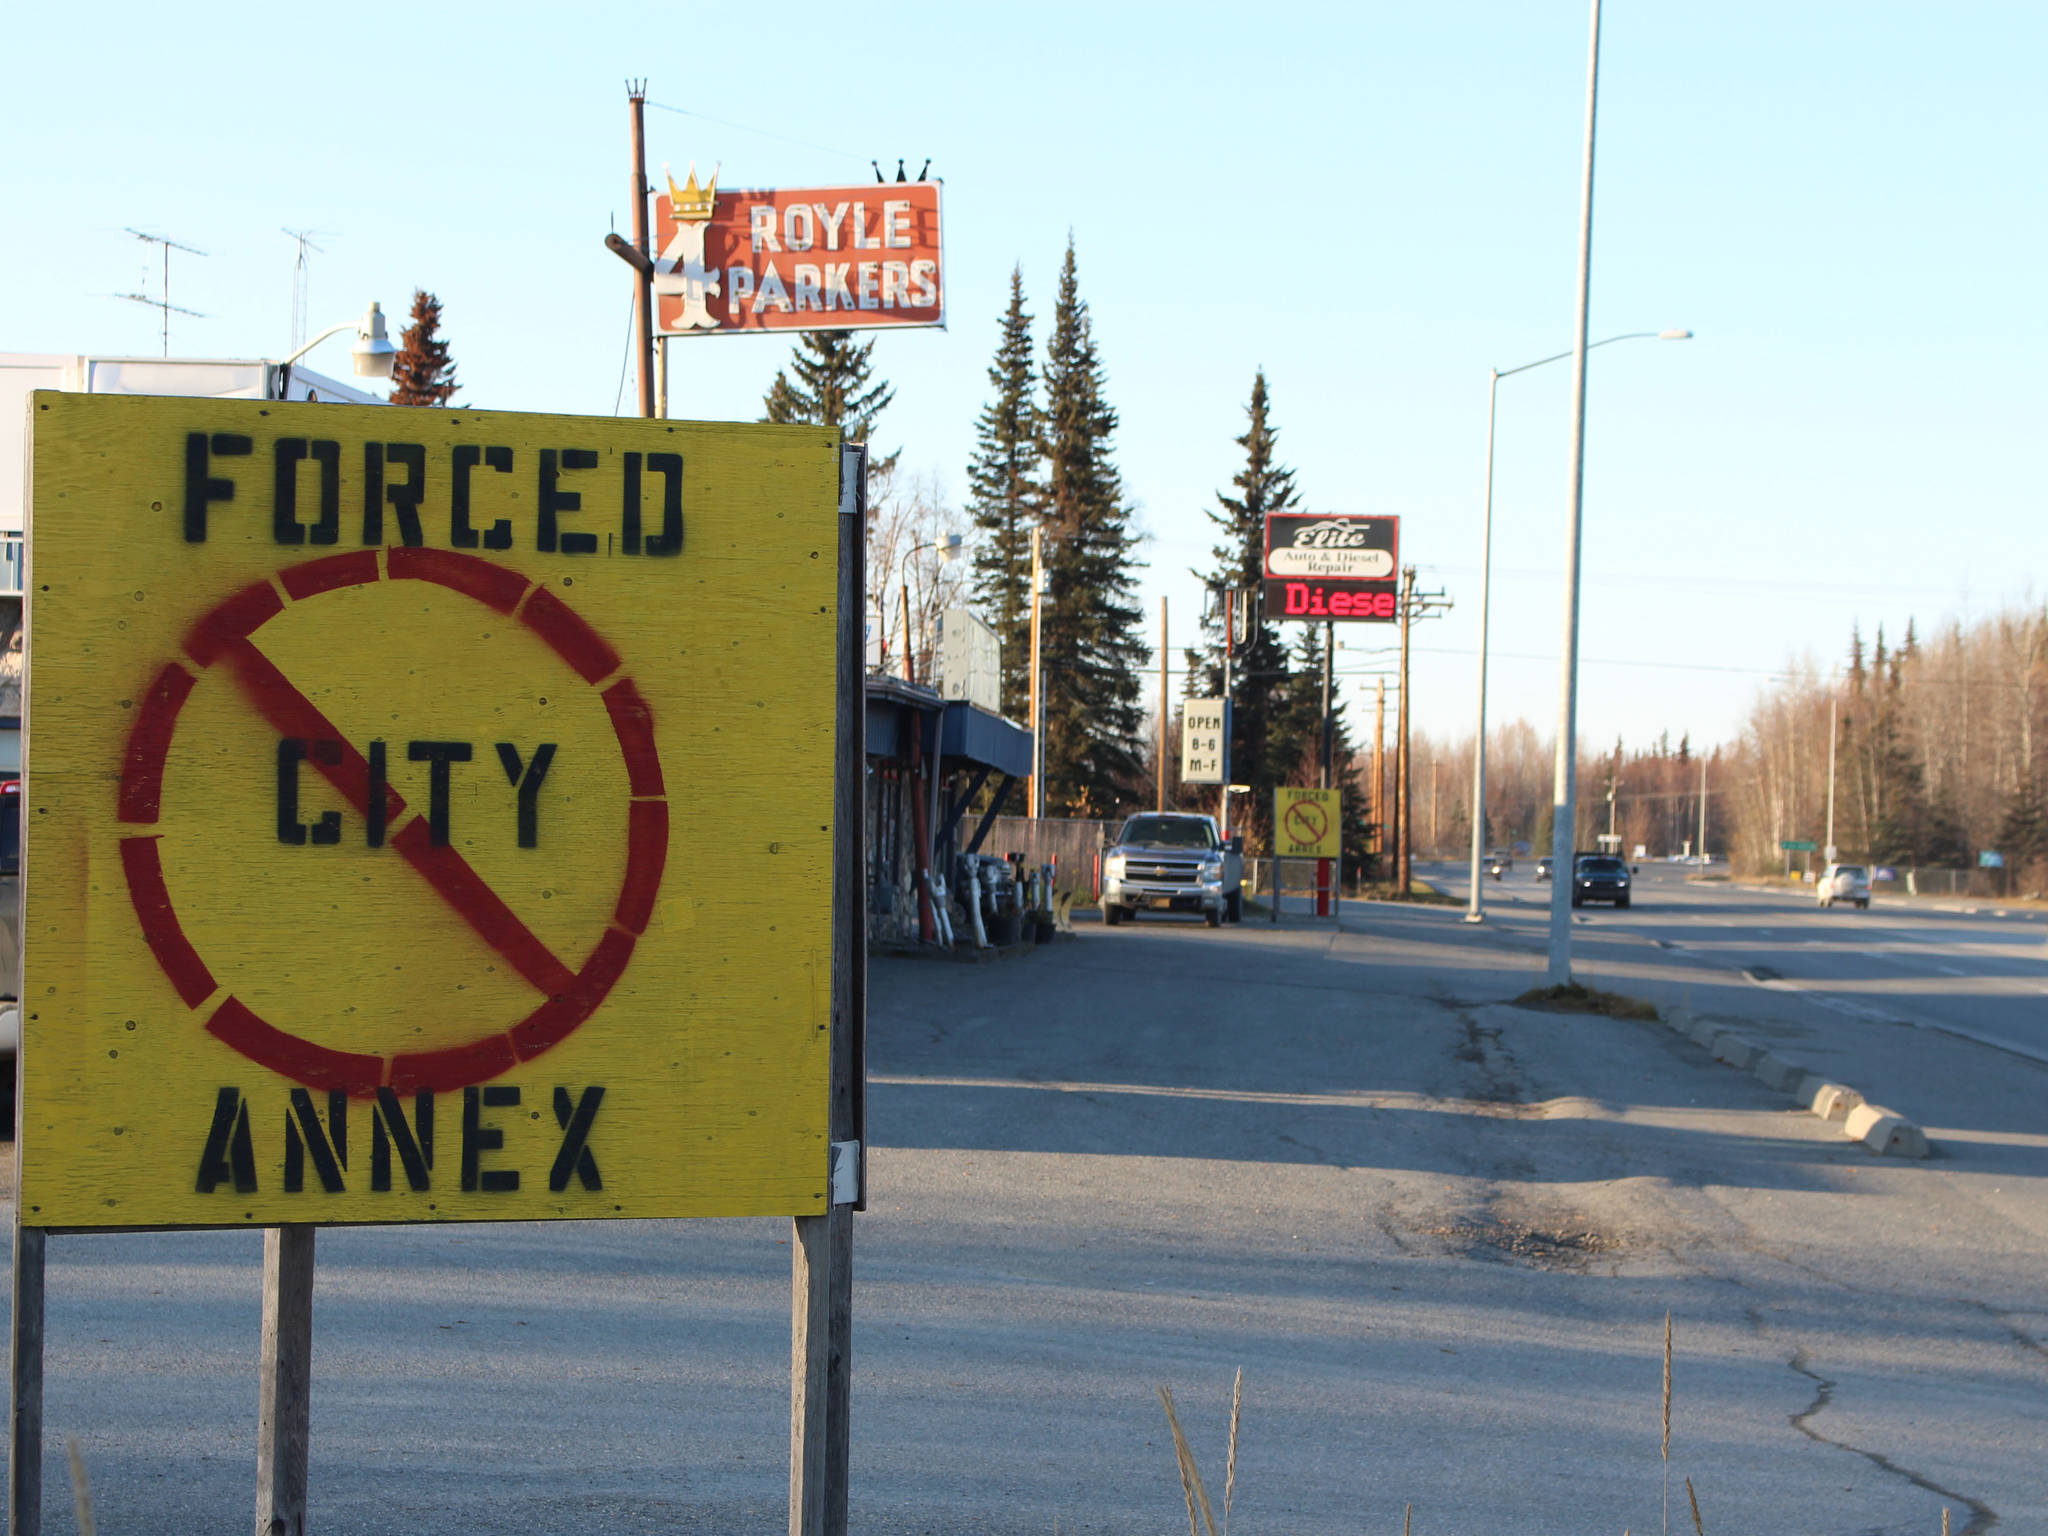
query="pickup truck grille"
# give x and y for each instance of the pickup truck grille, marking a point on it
(1173, 871)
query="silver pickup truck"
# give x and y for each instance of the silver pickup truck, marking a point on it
(1173, 861)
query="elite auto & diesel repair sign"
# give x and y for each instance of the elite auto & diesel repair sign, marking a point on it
(429, 815)
(1332, 566)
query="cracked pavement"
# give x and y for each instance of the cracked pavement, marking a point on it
(1439, 1233)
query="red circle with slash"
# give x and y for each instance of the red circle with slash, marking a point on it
(1307, 813)
(569, 997)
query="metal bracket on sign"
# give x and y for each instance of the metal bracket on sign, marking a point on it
(845, 1172)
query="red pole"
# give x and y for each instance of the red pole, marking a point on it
(927, 923)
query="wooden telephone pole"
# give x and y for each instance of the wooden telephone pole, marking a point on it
(1162, 704)
(1379, 765)
(1414, 605)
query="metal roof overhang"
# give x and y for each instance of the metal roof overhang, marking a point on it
(988, 741)
(967, 735)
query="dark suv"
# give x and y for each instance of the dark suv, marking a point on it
(1599, 877)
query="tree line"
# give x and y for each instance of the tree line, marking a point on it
(1940, 751)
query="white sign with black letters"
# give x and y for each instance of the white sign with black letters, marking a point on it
(1201, 741)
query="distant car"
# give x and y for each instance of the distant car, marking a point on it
(1844, 882)
(1599, 877)
(1543, 867)
(1498, 864)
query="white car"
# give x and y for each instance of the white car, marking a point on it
(1844, 882)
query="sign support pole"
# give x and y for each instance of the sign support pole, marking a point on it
(821, 1253)
(284, 1408)
(25, 1449)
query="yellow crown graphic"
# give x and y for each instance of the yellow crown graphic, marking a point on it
(691, 202)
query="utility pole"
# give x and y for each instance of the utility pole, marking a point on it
(1414, 606)
(1037, 702)
(1403, 845)
(909, 655)
(1162, 704)
(643, 280)
(1613, 783)
(1379, 765)
(1432, 806)
(1329, 719)
(1830, 844)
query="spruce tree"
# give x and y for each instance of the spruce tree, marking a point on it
(1258, 667)
(2023, 832)
(1008, 498)
(834, 386)
(1092, 652)
(421, 374)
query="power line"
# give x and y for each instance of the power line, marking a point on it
(766, 133)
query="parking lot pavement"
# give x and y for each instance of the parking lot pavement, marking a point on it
(1438, 1232)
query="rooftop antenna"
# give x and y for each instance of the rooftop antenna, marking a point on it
(301, 277)
(164, 304)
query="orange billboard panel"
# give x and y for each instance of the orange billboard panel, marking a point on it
(797, 259)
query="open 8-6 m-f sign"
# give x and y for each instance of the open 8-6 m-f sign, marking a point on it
(1332, 566)
(429, 816)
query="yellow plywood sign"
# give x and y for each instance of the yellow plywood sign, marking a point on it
(428, 815)
(1306, 824)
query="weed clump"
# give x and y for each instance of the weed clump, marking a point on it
(1572, 997)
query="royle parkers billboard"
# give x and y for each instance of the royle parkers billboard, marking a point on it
(797, 258)
(1332, 566)
(429, 815)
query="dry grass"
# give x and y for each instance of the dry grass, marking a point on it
(1575, 998)
(1190, 1474)
(1202, 1518)
(1667, 1424)
(81, 1491)
(1230, 1461)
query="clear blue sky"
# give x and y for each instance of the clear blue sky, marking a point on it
(1376, 203)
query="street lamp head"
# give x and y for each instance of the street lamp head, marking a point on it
(949, 547)
(373, 351)
(1674, 335)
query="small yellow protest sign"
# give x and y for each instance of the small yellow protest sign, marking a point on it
(1306, 824)
(428, 815)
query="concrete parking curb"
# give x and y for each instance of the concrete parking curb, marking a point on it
(1883, 1131)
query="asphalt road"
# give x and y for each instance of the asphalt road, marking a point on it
(1902, 999)
(1439, 1233)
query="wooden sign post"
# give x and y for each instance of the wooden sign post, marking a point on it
(387, 738)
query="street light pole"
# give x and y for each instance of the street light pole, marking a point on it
(1476, 909)
(1564, 799)
(1475, 912)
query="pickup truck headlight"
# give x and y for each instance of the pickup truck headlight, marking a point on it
(1212, 871)
(1113, 867)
